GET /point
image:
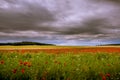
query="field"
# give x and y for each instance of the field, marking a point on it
(59, 63)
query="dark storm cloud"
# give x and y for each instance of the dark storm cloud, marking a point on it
(113, 1)
(91, 26)
(24, 17)
(78, 20)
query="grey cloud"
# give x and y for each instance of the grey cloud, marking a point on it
(91, 26)
(112, 1)
(22, 15)
(94, 28)
(24, 18)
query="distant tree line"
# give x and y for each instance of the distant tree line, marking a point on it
(24, 43)
(109, 45)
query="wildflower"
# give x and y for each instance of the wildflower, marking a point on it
(14, 71)
(101, 74)
(25, 63)
(22, 51)
(108, 75)
(55, 62)
(2, 62)
(23, 70)
(108, 65)
(68, 79)
(20, 62)
(43, 78)
(65, 64)
(29, 64)
(46, 62)
(59, 63)
(45, 73)
(103, 78)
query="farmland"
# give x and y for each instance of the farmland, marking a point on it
(59, 63)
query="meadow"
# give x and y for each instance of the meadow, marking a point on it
(59, 63)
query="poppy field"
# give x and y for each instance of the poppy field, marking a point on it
(67, 63)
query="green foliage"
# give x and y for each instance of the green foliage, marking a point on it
(41, 66)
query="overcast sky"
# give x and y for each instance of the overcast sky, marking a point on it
(62, 22)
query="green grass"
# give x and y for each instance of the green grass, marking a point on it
(59, 67)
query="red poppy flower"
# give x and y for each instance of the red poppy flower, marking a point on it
(23, 70)
(65, 64)
(103, 78)
(23, 51)
(109, 65)
(14, 71)
(55, 62)
(108, 75)
(59, 63)
(46, 62)
(68, 78)
(43, 78)
(25, 63)
(20, 62)
(29, 64)
(101, 74)
(2, 62)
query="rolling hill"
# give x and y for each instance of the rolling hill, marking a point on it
(24, 43)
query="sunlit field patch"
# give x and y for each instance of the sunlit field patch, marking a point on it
(60, 64)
